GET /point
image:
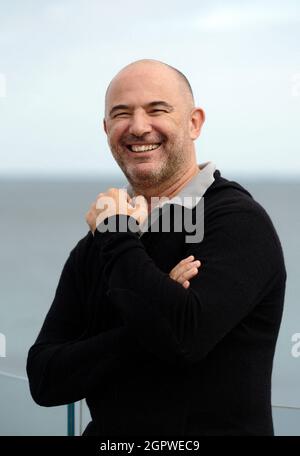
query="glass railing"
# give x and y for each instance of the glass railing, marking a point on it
(21, 416)
(286, 419)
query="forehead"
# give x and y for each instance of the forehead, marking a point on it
(141, 85)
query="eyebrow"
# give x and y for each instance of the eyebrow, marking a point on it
(148, 105)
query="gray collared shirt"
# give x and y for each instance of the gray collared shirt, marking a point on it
(188, 196)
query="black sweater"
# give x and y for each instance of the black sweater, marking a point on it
(152, 357)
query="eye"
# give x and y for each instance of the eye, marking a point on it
(121, 114)
(158, 110)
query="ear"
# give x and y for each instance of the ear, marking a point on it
(104, 126)
(197, 119)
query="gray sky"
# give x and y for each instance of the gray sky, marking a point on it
(57, 58)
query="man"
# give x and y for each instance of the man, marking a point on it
(154, 345)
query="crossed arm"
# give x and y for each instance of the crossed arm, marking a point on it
(175, 323)
(61, 367)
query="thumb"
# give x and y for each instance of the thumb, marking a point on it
(140, 200)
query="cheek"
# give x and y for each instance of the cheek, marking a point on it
(167, 127)
(114, 134)
(118, 130)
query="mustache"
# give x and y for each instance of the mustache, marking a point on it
(140, 140)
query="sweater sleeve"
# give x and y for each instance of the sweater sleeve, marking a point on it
(63, 366)
(241, 261)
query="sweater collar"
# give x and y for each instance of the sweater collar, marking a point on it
(189, 196)
(193, 191)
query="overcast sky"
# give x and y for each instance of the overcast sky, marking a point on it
(57, 57)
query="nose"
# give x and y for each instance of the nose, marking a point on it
(139, 124)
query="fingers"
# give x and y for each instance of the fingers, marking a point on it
(129, 199)
(186, 284)
(176, 271)
(140, 201)
(185, 269)
(186, 260)
(186, 277)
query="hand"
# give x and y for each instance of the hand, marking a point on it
(185, 270)
(116, 201)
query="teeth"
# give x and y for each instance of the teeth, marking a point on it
(144, 148)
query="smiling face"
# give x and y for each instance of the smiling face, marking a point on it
(148, 105)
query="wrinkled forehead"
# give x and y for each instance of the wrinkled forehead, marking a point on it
(141, 86)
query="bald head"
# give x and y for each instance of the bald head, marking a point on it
(150, 104)
(174, 76)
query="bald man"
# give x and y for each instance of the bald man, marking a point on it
(164, 333)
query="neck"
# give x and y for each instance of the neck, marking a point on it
(170, 188)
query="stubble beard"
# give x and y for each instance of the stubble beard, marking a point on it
(141, 180)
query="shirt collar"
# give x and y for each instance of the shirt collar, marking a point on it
(189, 195)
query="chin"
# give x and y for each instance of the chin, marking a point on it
(146, 178)
(146, 170)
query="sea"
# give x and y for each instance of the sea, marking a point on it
(42, 219)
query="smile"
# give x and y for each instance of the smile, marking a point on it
(143, 147)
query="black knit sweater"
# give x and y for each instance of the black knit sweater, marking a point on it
(153, 358)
